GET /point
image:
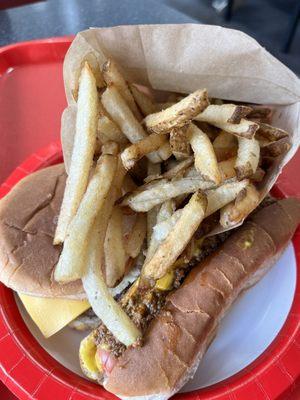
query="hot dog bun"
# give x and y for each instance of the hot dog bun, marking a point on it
(177, 339)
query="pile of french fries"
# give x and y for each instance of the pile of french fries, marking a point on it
(144, 175)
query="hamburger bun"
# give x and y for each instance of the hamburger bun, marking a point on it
(28, 217)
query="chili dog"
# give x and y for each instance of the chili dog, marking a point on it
(177, 338)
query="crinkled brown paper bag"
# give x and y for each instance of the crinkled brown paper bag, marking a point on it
(182, 58)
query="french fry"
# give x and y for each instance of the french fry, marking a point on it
(98, 294)
(164, 213)
(110, 147)
(139, 149)
(247, 157)
(83, 152)
(136, 238)
(171, 248)
(163, 227)
(226, 168)
(225, 146)
(93, 63)
(72, 261)
(109, 130)
(205, 158)
(277, 148)
(157, 192)
(211, 131)
(244, 128)
(153, 169)
(144, 102)
(261, 114)
(165, 151)
(225, 113)
(114, 251)
(222, 195)
(262, 141)
(178, 114)
(271, 133)
(245, 202)
(116, 106)
(119, 181)
(128, 223)
(179, 169)
(179, 143)
(113, 76)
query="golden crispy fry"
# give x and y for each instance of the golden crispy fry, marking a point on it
(179, 114)
(164, 213)
(157, 192)
(115, 255)
(225, 113)
(205, 158)
(244, 128)
(219, 197)
(151, 221)
(165, 151)
(136, 237)
(109, 130)
(179, 169)
(153, 169)
(176, 171)
(144, 102)
(83, 151)
(118, 184)
(68, 127)
(171, 248)
(179, 143)
(116, 106)
(271, 133)
(226, 168)
(139, 149)
(262, 141)
(72, 261)
(211, 131)
(261, 114)
(113, 76)
(245, 202)
(163, 227)
(277, 148)
(225, 146)
(247, 158)
(99, 296)
(110, 147)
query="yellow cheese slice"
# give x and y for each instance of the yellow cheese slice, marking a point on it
(51, 315)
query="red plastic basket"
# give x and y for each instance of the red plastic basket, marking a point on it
(31, 373)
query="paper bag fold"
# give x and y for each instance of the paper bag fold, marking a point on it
(183, 58)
